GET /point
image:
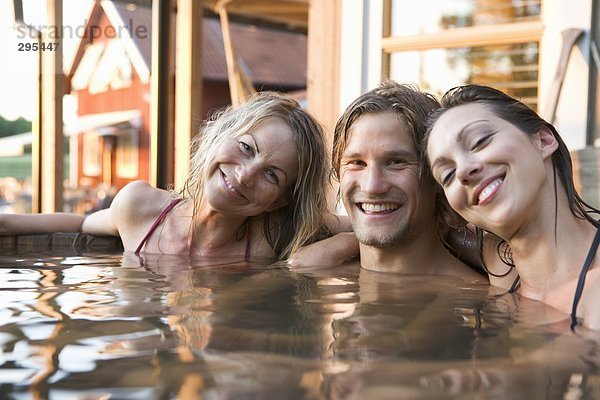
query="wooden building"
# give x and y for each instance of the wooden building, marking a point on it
(352, 45)
(111, 80)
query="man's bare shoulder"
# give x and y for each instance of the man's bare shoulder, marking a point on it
(461, 270)
(347, 271)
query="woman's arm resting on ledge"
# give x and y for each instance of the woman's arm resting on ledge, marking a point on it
(332, 251)
(24, 224)
(338, 223)
(100, 223)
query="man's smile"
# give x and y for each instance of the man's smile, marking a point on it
(378, 208)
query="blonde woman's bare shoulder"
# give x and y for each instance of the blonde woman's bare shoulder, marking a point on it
(139, 199)
(133, 210)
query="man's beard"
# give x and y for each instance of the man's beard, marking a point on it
(383, 240)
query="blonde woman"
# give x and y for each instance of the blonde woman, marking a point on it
(255, 192)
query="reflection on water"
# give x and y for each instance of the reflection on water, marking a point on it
(84, 327)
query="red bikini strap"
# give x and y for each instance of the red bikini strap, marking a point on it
(160, 218)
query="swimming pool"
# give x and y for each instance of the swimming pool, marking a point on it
(111, 326)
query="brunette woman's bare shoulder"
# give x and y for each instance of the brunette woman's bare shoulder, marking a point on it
(589, 308)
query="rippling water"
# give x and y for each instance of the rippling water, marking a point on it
(122, 327)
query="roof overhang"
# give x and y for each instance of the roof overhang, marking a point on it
(12, 146)
(292, 13)
(105, 124)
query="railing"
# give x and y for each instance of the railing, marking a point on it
(62, 242)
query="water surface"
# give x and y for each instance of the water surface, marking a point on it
(123, 327)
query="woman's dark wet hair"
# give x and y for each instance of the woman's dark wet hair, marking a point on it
(528, 121)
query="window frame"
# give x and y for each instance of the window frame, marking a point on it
(509, 33)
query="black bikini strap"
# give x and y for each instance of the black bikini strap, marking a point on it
(515, 284)
(581, 281)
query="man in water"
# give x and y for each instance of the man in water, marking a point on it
(391, 200)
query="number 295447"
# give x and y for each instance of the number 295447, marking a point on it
(43, 46)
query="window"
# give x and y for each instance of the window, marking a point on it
(439, 45)
(511, 68)
(92, 154)
(432, 16)
(127, 153)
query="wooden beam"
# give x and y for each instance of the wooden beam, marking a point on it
(387, 31)
(323, 86)
(261, 6)
(188, 83)
(488, 35)
(239, 83)
(235, 90)
(51, 146)
(269, 7)
(569, 38)
(324, 42)
(162, 91)
(36, 140)
(294, 21)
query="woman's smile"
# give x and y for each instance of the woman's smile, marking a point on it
(230, 188)
(486, 190)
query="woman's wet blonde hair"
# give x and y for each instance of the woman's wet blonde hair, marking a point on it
(300, 221)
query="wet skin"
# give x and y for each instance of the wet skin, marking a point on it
(380, 184)
(251, 173)
(492, 172)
